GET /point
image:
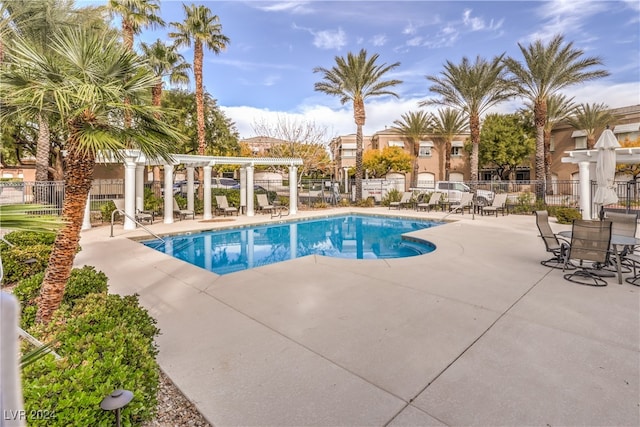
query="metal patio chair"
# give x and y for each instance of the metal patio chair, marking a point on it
(590, 241)
(559, 247)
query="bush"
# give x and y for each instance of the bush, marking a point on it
(152, 202)
(392, 195)
(107, 209)
(30, 238)
(565, 215)
(106, 343)
(82, 282)
(20, 262)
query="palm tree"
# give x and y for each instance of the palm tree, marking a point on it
(135, 14)
(165, 62)
(559, 108)
(591, 118)
(546, 70)
(447, 123)
(355, 79)
(91, 76)
(414, 125)
(37, 21)
(201, 28)
(472, 89)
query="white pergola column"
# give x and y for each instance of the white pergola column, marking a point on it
(346, 180)
(250, 207)
(190, 187)
(293, 190)
(293, 240)
(585, 189)
(86, 220)
(129, 194)
(140, 187)
(168, 194)
(207, 192)
(243, 187)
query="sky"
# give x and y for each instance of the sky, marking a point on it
(266, 73)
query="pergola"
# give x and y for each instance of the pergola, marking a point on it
(586, 160)
(135, 162)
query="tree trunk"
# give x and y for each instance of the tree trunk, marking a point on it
(43, 148)
(547, 161)
(474, 127)
(360, 117)
(78, 178)
(540, 119)
(197, 67)
(447, 159)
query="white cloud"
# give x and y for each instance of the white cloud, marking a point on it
(379, 40)
(410, 29)
(330, 39)
(563, 16)
(381, 113)
(293, 7)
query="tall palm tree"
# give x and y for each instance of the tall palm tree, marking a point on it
(201, 28)
(135, 15)
(559, 108)
(355, 79)
(414, 125)
(37, 21)
(165, 62)
(88, 81)
(447, 123)
(591, 118)
(546, 70)
(472, 89)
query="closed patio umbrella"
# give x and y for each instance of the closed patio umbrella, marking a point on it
(606, 170)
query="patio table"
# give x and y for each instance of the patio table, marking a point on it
(617, 240)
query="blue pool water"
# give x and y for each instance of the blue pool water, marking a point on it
(347, 236)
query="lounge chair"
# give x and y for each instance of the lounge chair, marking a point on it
(559, 247)
(222, 206)
(434, 201)
(139, 216)
(405, 200)
(590, 241)
(466, 202)
(497, 205)
(263, 204)
(182, 213)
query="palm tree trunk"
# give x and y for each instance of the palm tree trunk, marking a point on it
(474, 127)
(447, 159)
(197, 71)
(78, 177)
(359, 116)
(547, 161)
(540, 119)
(43, 149)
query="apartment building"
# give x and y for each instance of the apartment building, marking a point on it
(431, 155)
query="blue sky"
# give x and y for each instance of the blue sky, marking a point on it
(266, 72)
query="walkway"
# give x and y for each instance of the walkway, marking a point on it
(475, 333)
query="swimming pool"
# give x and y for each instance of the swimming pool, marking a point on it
(345, 236)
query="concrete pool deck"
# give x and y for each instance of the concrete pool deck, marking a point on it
(475, 333)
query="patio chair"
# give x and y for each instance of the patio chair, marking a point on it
(263, 204)
(434, 201)
(182, 213)
(634, 260)
(559, 247)
(590, 241)
(466, 202)
(405, 200)
(624, 224)
(498, 204)
(222, 206)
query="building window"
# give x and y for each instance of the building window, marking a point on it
(425, 151)
(581, 142)
(395, 144)
(348, 153)
(456, 148)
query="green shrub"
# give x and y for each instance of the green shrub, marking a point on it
(107, 209)
(20, 262)
(106, 343)
(30, 238)
(566, 215)
(152, 202)
(392, 195)
(369, 202)
(82, 282)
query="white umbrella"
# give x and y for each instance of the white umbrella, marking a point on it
(606, 169)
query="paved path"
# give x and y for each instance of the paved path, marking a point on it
(475, 333)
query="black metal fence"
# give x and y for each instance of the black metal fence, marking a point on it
(319, 191)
